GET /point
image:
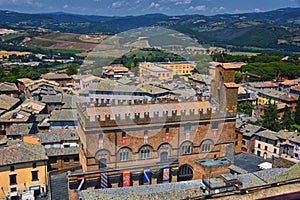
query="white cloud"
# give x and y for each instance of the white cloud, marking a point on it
(184, 2)
(117, 4)
(218, 9)
(257, 10)
(154, 5)
(66, 6)
(198, 8)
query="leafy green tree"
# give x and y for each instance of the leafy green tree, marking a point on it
(72, 69)
(2, 72)
(297, 112)
(270, 118)
(245, 107)
(287, 119)
(238, 77)
(14, 71)
(33, 75)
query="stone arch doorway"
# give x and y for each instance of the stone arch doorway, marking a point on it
(185, 173)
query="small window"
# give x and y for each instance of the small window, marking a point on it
(34, 175)
(66, 160)
(164, 156)
(145, 153)
(167, 130)
(258, 145)
(124, 155)
(243, 142)
(186, 149)
(214, 125)
(13, 179)
(187, 128)
(275, 150)
(123, 134)
(206, 147)
(236, 136)
(102, 163)
(12, 168)
(236, 142)
(266, 148)
(258, 153)
(13, 189)
(33, 165)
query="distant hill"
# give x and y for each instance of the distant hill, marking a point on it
(278, 29)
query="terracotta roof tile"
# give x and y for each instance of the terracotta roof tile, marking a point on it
(14, 153)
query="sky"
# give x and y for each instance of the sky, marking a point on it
(140, 7)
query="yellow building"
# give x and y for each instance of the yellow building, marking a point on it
(267, 96)
(166, 70)
(180, 68)
(23, 169)
(6, 54)
(155, 71)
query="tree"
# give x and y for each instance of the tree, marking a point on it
(297, 112)
(270, 118)
(2, 72)
(287, 119)
(72, 69)
(238, 77)
(245, 107)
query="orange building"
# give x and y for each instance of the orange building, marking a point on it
(23, 168)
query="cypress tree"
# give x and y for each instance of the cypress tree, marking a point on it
(297, 112)
(287, 119)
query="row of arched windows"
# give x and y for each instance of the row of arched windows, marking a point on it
(124, 154)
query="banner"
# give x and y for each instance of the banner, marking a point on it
(126, 178)
(146, 139)
(147, 176)
(123, 141)
(166, 174)
(167, 137)
(215, 132)
(104, 182)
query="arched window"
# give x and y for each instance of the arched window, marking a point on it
(164, 156)
(124, 154)
(186, 149)
(102, 163)
(145, 152)
(206, 146)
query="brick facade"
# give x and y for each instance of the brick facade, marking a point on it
(151, 136)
